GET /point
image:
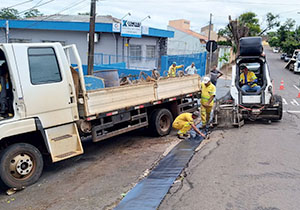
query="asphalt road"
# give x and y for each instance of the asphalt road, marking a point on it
(95, 180)
(255, 167)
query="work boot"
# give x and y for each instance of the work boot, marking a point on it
(180, 136)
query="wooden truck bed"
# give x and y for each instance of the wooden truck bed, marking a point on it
(110, 99)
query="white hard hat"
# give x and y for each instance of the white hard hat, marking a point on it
(196, 113)
(206, 80)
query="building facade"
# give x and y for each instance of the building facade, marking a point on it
(111, 46)
(213, 34)
(185, 41)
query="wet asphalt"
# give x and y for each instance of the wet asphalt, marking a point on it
(254, 167)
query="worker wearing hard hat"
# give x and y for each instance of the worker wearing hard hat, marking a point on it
(208, 92)
(248, 80)
(184, 122)
(172, 69)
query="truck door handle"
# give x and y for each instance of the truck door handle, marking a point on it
(71, 90)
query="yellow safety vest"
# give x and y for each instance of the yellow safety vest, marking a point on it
(250, 77)
(207, 92)
(172, 70)
(185, 117)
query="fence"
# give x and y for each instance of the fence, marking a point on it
(128, 62)
(198, 58)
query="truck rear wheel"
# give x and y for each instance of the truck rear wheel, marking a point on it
(161, 122)
(20, 165)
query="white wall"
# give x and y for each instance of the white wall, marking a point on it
(106, 44)
(183, 43)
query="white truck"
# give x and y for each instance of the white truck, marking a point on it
(43, 113)
(297, 64)
(293, 63)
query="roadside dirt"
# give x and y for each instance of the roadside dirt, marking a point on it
(96, 180)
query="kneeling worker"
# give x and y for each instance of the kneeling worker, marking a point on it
(184, 122)
(208, 93)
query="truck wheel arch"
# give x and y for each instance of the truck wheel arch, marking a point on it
(36, 137)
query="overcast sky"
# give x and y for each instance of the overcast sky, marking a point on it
(161, 11)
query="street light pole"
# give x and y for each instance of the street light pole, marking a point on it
(148, 16)
(91, 38)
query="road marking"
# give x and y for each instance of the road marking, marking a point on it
(294, 102)
(284, 101)
(296, 87)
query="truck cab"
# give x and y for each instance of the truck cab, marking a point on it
(37, 101)
(291, 65)
(297, 64)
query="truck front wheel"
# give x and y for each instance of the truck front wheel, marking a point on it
(161, 122)
(21, 165)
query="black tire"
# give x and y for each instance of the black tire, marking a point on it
(21, 165)
(161, 122)
(280, 107)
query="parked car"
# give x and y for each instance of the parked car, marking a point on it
(282, 56)
(287, 58)
(275, 50)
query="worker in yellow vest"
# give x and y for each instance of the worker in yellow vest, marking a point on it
(208, 93)
(248, 80)
(184, 122)
(172, 69)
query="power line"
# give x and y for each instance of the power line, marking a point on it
(36, 6)
(24, 2)
(209, 1)
(64, 9)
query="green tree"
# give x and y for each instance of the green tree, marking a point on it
(272, 22)
(247, 24)
(32, 13)
(9, 13)
(286, 37)
(289, 45)
(250, 20)
(274, 41)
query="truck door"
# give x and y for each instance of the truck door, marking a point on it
(48, 91)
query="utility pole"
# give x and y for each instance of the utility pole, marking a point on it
(209, 27)
(7, 31)
(91, 38)
(210, 52)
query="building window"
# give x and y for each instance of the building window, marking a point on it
(43, 66)
(150, 51)
(135, 52)
(63, 43)
(13, 40)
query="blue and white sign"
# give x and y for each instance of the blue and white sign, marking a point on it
(131, 29)
(145, 30)
(116, 27)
